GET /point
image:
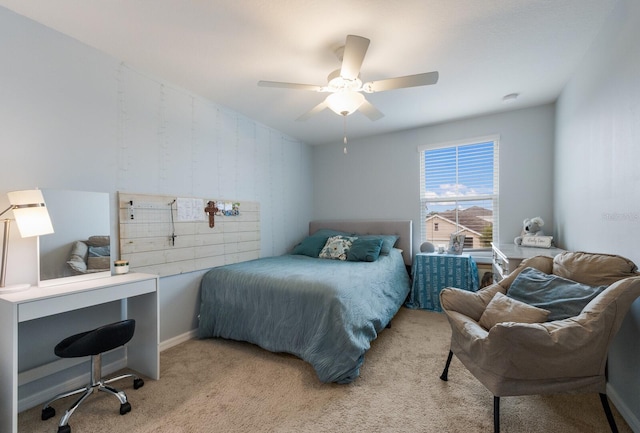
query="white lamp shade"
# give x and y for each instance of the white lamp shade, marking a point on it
(30, 213)
(25, 197)
(345, 102)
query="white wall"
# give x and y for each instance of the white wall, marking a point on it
(380, 176)
(597, 201)
(74, 118)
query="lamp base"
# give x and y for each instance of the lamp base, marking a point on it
(14, 288)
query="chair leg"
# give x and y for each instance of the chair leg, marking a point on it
(608, 413)
(125, 406)
(120, 395)
(137, 381)
(496, 400)
(65, 418)
(496, 414)
(50, 412)
(445, 373)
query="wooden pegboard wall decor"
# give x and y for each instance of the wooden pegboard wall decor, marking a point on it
(168, 235)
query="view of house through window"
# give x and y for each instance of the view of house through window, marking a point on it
(459, 192)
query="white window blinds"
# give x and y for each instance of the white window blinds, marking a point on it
(459, 191)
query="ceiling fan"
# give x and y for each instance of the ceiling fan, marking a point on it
(346, 87)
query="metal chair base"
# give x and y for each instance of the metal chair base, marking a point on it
(97, 384)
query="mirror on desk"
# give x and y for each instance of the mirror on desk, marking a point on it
(80, 247)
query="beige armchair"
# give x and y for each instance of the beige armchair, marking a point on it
(543, 357)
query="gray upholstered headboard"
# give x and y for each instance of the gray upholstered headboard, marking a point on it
(402, 228)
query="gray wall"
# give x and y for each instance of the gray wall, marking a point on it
(380, 176)
(74, 118)
(597, 201)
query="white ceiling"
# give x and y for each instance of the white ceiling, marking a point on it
(220, 49)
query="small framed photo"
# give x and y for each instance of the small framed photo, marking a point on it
(456, 244)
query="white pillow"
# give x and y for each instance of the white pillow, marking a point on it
(337, 247)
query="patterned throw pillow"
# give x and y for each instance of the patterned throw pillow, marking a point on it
(337, 247)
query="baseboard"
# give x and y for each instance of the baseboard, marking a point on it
(624, 410)
(167, 344)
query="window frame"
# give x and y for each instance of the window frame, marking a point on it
(494, 196)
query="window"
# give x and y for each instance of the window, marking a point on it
(459, 191)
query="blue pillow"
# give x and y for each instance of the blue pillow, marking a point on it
(388, 241)
(312, 245)
(364, 250)
(562, 297)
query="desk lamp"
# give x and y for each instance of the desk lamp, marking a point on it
(32, 218)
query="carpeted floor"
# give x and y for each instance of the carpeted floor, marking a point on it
(225, 386)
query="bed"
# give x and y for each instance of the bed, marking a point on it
(323, 311)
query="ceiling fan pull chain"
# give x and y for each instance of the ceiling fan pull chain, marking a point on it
(344, 115)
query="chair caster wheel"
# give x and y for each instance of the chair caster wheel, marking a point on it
(48, 412)
(138, 383)
(64, 429)
(124, 408)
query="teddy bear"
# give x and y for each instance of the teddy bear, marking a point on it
(530, 227)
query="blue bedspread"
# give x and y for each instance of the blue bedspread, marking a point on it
(324, 311)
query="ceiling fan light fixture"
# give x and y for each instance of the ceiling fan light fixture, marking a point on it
(345, 103)
(345, 85)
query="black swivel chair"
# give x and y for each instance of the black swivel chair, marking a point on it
(94, 343)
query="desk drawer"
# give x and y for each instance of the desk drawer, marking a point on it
(82, 299)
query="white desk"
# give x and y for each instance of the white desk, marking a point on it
(507, 257)
(141, 294)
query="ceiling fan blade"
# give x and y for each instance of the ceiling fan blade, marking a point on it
(369, 110)
(353, 56)
(425, 79)
(290, 85)
(315, 110)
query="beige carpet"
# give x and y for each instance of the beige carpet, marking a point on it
(226, 386)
